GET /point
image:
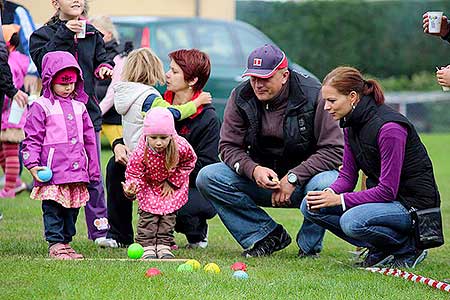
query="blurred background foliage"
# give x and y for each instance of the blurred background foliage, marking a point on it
(381, 38)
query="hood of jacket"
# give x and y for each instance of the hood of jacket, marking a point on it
(52, 63)
(126, 93)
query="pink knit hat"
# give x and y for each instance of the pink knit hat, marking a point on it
(159, 120)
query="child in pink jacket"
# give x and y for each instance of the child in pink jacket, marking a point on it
(59, 135)
(12, 132)
(158, 174)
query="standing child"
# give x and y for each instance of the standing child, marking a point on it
(59, 134)
(132, 99)
(12, 132)
(62, 33)
(158, 174)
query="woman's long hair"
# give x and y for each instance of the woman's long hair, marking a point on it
(172, 157)
(348, 79)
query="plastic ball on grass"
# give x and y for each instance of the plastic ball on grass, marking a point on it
(239, 266)
(212, 268)
(135, 251)
(185, 268)
(239, 274)
(152, 272)
(194, 263)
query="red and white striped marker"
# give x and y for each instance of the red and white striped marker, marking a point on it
(412, 277)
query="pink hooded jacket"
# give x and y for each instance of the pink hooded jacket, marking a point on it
(58, 131)
(18, 63)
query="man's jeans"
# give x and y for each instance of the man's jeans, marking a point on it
(237, 200)
(382, 226)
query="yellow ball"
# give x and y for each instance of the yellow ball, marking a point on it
(194, 263)
(212, 268)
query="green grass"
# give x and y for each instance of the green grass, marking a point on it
(26, 273)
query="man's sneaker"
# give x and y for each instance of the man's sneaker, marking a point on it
(302, 254)
(202, 244)
(409, 260)
(104, 242)
(376, 258)
(277, 240)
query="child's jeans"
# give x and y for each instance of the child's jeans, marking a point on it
(59, 222)
(155, 229)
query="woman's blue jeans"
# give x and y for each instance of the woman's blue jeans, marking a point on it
(238, 202)
(385, 227)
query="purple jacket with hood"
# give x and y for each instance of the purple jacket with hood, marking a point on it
(58, 131)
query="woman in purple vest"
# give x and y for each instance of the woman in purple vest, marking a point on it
(385, 146)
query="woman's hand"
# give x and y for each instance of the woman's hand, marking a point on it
(105, 72)
(318, 199)
(34, 172)
(166, 189)
(75, 26)
(202, 99)
(130, 190)
(443, 76)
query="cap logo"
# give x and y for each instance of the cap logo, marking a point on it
(257, 62)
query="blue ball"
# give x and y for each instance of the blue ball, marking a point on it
(239, 274)
(45, 174)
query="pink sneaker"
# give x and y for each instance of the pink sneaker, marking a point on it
(72, 253)
(59, 251)
(7, 194)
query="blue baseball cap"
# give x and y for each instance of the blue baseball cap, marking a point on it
(264, 61)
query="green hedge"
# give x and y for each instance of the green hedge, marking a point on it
(383, 38)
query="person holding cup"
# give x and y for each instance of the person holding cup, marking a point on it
(436, 23)
(63, 33)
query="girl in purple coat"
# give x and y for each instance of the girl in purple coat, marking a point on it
(59, 135)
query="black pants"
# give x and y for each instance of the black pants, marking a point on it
(59, 222)
(191, 218)
(120, 208)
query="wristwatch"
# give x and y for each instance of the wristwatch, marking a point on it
(292, 178)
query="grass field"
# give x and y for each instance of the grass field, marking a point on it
(26, 273)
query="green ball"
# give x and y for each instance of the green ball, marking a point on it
(185, 268)
(135, 251)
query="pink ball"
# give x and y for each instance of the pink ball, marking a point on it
(239, 266)
(152, 272)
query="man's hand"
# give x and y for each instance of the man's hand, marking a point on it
(444, 25)
(318, 199)
(166, 189)
(266, 178)
(282, 196)
(105, 73)
(121, 153)
(130, 190)
(21, 98)
(443, 76)
(30, 83)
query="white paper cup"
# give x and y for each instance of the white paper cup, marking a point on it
(16, 113)
(82, 34)
(434, 21)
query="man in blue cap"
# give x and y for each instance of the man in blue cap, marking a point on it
(276, 143)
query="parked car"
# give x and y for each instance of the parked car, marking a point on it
(228, 44)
